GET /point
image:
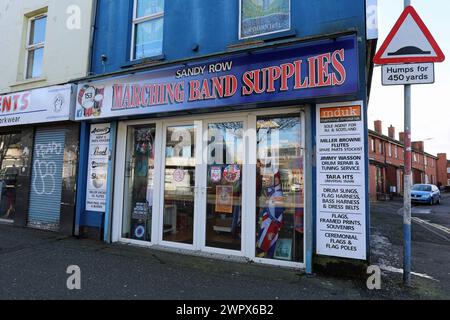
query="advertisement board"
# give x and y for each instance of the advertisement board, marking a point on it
(302, 71)
(99, 145)
(42, 105)
(341, 188)
(263, 17)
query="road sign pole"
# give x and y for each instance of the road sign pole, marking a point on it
(407, 191)
(407, 186)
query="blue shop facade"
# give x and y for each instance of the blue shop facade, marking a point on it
(227, 128)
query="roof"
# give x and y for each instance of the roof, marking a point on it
(397, 142)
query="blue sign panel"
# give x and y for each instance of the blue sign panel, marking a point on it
(289, 73)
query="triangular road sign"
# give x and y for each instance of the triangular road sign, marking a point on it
(410, 41)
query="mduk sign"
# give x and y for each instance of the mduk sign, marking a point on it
(301, 71)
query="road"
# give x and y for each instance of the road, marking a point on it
(435, 218)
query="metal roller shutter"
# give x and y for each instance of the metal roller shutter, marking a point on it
(46, 183)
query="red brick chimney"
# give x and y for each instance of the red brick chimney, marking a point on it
(401, 137)
(418, 146)
(391, 132)
(441, 165)
(378, 127)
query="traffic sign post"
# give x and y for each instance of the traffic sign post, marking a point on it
(407, 56)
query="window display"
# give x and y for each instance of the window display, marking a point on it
(279, 189)
(139, 183)
(224, 185)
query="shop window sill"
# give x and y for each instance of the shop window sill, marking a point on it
(28, 81)
(144, 61)
(259, 40)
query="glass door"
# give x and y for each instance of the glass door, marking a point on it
(179, 184)
(223, 193)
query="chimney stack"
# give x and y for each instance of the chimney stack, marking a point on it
(401, 137)
(378, 127)
(391, 132)
(418, 146)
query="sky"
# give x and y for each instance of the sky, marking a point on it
(430, 102)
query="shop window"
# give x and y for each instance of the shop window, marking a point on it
(12, 161)
(35, 46)
(264, 17)
(279, 189)
(139, 183)
(148, 22)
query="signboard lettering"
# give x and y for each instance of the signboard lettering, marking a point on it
(98, 167)
(36, 106)
(341, 194)
(318, 69)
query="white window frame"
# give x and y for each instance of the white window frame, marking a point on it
(263, 34)
(390, 150)
(140, 20)
(396, 151)
(248, 250)
(33, 47)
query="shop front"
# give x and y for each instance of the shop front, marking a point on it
(212, 156)
(38, 158)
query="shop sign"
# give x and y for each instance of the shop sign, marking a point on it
(43, 105)
(302, 71)
(341, 188)
(100, 136)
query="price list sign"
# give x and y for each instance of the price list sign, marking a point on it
(341, 187)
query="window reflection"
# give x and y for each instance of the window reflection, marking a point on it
(279, 189)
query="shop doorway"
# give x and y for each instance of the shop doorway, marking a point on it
(228, 185)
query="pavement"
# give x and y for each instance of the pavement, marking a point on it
(33, 266)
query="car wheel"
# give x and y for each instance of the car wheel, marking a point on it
(439, 201)
(431, 201)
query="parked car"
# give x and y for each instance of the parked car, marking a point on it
(425, 193)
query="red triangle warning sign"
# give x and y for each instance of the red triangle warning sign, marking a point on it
(410, 41)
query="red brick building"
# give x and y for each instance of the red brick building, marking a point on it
(386, 158)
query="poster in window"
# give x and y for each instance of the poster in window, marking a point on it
(224, 199)
(263, 17)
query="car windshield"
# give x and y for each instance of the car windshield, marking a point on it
(421, 188)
